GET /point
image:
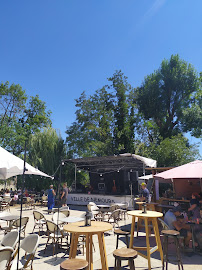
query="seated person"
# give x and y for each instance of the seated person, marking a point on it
(26, 194)
(144, 194)
(176, 221)
(7, 194)
(15, 198)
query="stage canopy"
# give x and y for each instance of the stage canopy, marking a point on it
(10, 165)
(125, 161)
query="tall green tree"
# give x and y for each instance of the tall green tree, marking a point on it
(124, 116)
(167, 94)
(105, 121)
(46, 150)
(92, 133)
(20, 116)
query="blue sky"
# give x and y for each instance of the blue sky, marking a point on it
(58, 49)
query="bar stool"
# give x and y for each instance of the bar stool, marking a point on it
(174, 235)
(119, 232)
(125, 254)
(74, 264)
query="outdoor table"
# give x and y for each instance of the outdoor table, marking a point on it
(149, 216)
(96, 227)
(9, 218)
(104, 206)
(71, 219)
(120, 204)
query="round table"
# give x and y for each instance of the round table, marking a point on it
(71, 219)
(9, 217)
(149, 216)
(96, 227)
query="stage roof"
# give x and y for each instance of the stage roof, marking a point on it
(125, 161)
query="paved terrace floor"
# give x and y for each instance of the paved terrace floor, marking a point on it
(47, 261)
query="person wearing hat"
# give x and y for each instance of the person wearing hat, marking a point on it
(144, 195)
(176, 221)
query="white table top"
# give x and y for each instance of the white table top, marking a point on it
(121, 204)
(72, 219)
(103, 206)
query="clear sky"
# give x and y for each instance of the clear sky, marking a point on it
(57, 49)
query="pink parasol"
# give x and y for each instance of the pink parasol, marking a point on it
(190, 170)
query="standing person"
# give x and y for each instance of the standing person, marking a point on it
(195, 206)
(144, 193)
(51, 198)
(64, 195)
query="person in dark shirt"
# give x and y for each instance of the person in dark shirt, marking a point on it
(194, 208)
(144, 193)
(64, 195)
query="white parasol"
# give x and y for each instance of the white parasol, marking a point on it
(10, 165)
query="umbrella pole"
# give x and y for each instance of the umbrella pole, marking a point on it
(21, 201)
(60, 177)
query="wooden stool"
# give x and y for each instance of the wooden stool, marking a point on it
(125, 254)
(174, 235)
(74, 264)
(119, 232)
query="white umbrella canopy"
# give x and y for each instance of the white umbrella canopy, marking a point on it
(10, 165)
(145, 177)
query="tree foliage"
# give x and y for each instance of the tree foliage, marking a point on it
(46, 150)
(167, 95)
(105, 121)
(173, 151)
(20, 116)
(150, 120)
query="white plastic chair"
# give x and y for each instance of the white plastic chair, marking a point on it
(29, 244)
(57, 218)
(66, 212)
(5, 257)
(10, 239)
(96, 214)
(64, 208)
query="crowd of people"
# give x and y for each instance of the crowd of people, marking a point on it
(15, 195)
